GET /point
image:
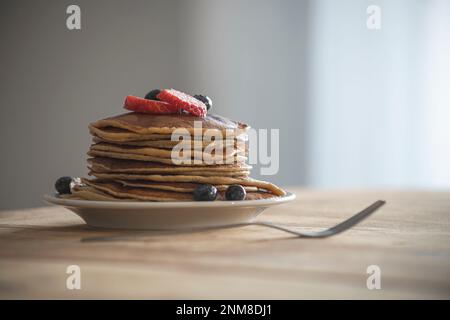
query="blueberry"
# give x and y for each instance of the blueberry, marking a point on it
(152, 95)
(235, 192)
(205, 99)
(205, 192)
(62, 185)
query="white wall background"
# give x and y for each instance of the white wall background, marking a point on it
(378, 101)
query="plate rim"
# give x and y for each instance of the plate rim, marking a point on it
(74, 203)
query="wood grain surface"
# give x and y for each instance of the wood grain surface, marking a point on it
(409, 239)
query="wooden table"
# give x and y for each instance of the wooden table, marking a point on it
(409, 239)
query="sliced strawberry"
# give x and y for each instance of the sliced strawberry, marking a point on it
(149, 106)
(183, 101)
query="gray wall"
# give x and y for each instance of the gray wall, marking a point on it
(247, 55)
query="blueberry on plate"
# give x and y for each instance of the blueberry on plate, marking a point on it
(62, 185)
(205, 99)
(152, 95)
(235, 192)
(205, 192)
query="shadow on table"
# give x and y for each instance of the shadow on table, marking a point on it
(88, 234)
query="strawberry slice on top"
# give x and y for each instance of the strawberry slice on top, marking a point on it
(142, 105)
(183, 101)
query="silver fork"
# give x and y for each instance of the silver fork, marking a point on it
(340, 227)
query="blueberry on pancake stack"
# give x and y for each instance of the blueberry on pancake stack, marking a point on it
(169, 148)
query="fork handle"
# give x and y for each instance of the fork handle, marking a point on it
(340, 227)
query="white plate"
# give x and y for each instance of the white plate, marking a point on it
(166, 215)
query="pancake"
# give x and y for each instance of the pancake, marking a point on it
(172, 186)
(145, 194)
(169, 144)
(116, 134)
(144, 124)
(237, 174)
(217, 180)
(122, 135)
(127, 156)
(132, 166)
(163, 153)
(88, 193)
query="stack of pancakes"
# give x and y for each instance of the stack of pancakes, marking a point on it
(131, 158)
